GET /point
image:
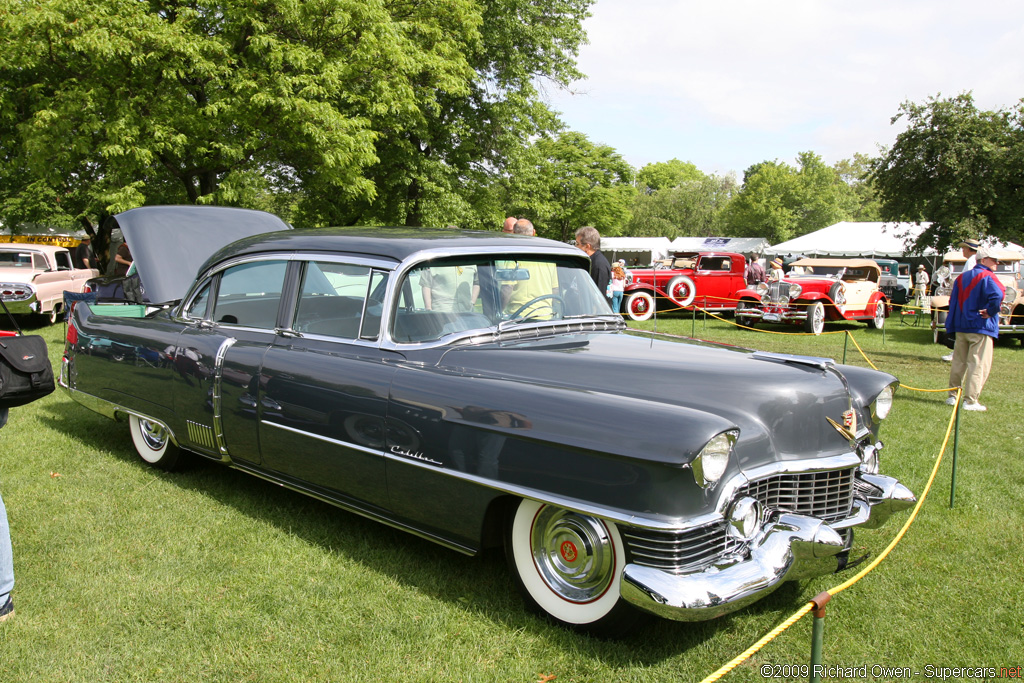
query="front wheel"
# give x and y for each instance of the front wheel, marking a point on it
(153, 443)
(639, 306)
(814, 323)
(742, 318)
(568, 566)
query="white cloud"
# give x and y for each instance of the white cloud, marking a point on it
(723, 84)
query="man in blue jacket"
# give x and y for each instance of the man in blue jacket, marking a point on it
(974, 318)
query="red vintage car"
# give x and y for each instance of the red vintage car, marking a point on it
(711, 280)
(816, 290)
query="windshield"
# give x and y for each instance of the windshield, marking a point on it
(453, 295)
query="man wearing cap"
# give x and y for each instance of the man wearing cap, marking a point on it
(921, 281)
(974, 318)
(969, 248)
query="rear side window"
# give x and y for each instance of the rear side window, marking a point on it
(249, 295)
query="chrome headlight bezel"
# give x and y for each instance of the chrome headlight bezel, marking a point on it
(713, 459)
(745, 517)
(761, 288)
(795, 290)
(882, 404)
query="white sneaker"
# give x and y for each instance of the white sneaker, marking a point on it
(948, 357)
(977, 407)
(951, 401)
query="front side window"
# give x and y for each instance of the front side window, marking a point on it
(456, 295)
(249, 295)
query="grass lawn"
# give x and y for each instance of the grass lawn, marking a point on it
(126, 573)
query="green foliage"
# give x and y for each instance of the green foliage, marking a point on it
(664, 175)
(577, 183)
(957, 167)
(356, 110)
(780, 202)
(856, 173)
(689, 208)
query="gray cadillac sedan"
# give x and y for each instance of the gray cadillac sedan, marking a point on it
(475, 389)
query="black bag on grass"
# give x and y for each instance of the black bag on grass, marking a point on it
(25, 372)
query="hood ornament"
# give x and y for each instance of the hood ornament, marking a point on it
(848, 429)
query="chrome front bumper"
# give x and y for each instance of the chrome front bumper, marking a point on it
(788, 547)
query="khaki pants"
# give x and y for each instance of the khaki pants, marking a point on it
(972, 361)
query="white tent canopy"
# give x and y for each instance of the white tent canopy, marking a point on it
(643, 249)
(870, 240)
(740, 245)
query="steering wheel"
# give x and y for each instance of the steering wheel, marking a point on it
(542, 297)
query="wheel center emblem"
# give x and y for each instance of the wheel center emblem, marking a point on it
(568, 551)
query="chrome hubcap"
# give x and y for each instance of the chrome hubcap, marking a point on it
(573, 553)
(153, 434)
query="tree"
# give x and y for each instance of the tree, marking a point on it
(957, 167)
(691, 207)
(578, 183)
(664, 175)
(335, 110)
(780, 202)
(856, 173)
(450, 161)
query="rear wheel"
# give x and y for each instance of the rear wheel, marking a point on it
(639, 305)
(815, 321)
(153, 443)
(54, 315)
(878, 321)
(568, 567)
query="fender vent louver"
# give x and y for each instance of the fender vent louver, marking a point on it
(200, 435)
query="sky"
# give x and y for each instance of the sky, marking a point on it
(725, 84)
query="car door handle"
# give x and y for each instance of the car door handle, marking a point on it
(270, 404)
(247, 400)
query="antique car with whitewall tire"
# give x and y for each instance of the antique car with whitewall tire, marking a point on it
(815, 291)
(706, 279)
(1009, 271)
(472, 388)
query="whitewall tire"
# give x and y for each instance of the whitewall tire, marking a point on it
(153, 443)
(569, 566)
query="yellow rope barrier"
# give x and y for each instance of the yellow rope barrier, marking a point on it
(774, 633)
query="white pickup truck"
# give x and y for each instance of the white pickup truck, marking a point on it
(34, 277)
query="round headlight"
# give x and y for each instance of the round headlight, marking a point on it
(783, 301)
(710, 463)
(883, 403)
(745, 517)
(795, 290)
(762, 288)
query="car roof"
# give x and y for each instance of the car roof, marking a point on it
(1000, 254)
(28, 246)
(393, 243)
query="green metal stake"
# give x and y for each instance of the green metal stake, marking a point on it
(956, 439)
(693, 323)
(846, 342)
(818, 634)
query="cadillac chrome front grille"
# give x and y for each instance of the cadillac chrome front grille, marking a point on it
(825, 495)
(678, 552)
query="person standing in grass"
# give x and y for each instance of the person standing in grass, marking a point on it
(974, 318)
(6, 555)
